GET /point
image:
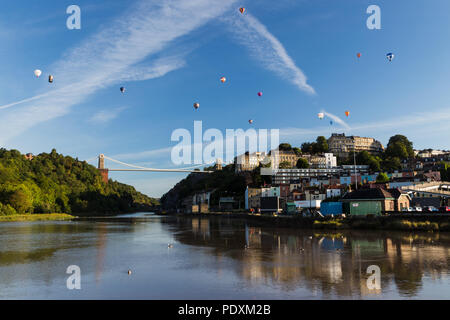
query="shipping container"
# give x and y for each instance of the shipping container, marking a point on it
(331, 208)
(362, 208)
(291, 208)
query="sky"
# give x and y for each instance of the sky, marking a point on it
(169, 54)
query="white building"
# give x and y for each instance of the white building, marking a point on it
(330, 160)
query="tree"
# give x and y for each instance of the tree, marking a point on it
(297, 151)
(321, 145)
(307, 147)
(285, 147)
(302, 163)
(285, 165)
(382, 178)
(400, 147)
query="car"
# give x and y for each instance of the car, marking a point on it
(418, 209)
(431, 209)
(444, 209)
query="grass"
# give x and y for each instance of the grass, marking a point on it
(415, 225)
(329, 224)
(36, 217)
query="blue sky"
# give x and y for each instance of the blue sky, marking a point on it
(170, 54)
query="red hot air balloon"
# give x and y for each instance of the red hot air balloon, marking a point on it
(223, 79)
(347, 113)
(259, 94)
(358, 55)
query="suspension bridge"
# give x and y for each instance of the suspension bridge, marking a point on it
(133, 168)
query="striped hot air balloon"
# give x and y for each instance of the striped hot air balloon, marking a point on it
(390, 56)
(223, 79)
(242, 10)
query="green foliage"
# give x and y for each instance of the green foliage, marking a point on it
(445, 171)
(382, 178)
(302, 163)
(297, 151)
(285, 165)
(285, 147)
(320, 146)
(399, 147)
(53, 183)
(223, 183)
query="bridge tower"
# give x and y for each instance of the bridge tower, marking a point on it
(101, 168)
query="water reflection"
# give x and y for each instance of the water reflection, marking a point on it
(334, 264)
(216, 258)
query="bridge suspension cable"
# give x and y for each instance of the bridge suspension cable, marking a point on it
(140, 168)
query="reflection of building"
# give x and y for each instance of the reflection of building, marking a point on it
(342, 146)
(252, 198)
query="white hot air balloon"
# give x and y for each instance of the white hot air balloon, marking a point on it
(320, 115)
(37, 73)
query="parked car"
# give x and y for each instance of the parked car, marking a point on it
(418, 209)
(444, 209)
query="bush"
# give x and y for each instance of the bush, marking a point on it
(7, 210)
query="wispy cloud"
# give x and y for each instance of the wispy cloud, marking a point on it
(265, 47)
(104, 116)
(111, 56)
(335, 118)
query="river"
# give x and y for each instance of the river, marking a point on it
(216, 258)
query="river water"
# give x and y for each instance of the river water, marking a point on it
(216, 258)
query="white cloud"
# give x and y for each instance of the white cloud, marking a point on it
(111, 56)
(265, 47)
(104, 116)
(335, 118)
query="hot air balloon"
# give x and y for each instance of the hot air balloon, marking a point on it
(347, 113)
(223, 79)
(390, 56)
(37, 73)
(242, 10)
(331, 122)
(250, 121)
(122, 89)
(358, 55)
(50, 78)
(320, 115)
(259, 94)
(196, 105)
